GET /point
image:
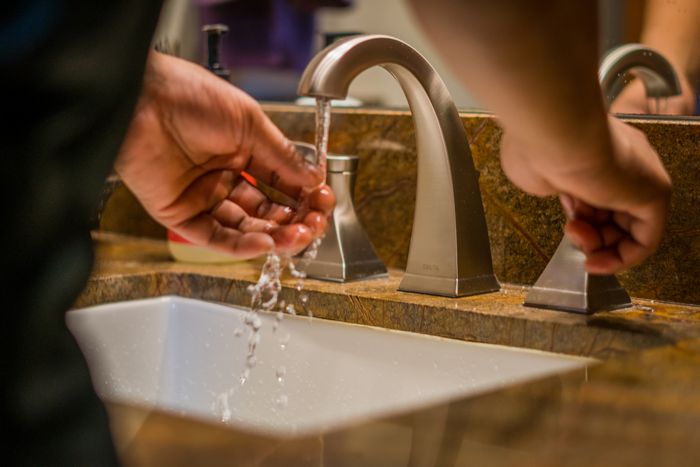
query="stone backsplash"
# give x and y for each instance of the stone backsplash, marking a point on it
(524, 230)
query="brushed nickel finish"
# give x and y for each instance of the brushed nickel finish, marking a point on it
(346, 253)
(449, 253)
(655, 71)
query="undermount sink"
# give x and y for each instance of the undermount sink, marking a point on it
(186, 356)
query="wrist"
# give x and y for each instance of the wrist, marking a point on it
(585, 147)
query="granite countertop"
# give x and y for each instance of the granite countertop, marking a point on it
(640, 406)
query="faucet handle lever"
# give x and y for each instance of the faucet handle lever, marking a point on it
(565, 285)
(346, 253)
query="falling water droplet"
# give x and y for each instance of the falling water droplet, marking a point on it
(282, 401)
(281, 372)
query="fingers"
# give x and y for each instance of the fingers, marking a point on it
(229, 228)
(317, 222)
(250, 238)
(624, 255)
(206, 230)
(591, 237)
(256, 204)
(291, 239)
(610, 248)
(322, 199)
(202, 195)
(287, 237)
(231, 215)
(275, 161)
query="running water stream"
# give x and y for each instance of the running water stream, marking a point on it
(323, 124)
(265, 293)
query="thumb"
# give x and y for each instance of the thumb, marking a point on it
(276, 162)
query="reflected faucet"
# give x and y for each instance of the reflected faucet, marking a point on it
(657, 73)
(564, 284)
(449, 253)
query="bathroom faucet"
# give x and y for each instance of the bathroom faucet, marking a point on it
(657, 73)
(564, 283)
(449, 253)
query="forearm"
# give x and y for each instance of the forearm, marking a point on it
(534, 64)
(673, 28)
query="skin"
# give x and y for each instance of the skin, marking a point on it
(533, 64)
(671, 27)
(191, 136)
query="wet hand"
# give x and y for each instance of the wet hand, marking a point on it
(191, 137)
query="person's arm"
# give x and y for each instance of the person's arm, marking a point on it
(190, 138)
(534, 64)
(673, 29)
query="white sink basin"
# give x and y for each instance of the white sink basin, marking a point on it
(186, 356)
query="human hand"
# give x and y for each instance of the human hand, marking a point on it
(191, 136)
(616, 194)
(633, 100)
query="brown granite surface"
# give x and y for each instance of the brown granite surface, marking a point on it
(130, 268)
(639, 407)
(524, 230)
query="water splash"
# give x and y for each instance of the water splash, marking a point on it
(225, 408)
(265, 293)
(281, 372)
(282, 401)
(298, 271)
(284, 341)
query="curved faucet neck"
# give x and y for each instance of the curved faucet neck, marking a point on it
(449, 252)
(657, 73)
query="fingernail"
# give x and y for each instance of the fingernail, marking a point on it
(567, 204)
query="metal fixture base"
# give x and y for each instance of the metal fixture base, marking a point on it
(449, 287)
(346, 254)
(565, 285)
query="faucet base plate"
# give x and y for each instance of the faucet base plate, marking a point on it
(447, 286)
(565, 285)
(354, 271)
(582, 302)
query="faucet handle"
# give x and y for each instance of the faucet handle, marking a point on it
(565, 285)
(346, 253)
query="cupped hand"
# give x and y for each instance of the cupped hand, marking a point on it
(616, 195)
(191, 136)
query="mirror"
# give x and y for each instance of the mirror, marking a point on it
(268, 44)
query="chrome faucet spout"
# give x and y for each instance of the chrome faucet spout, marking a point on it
(449, 252)
(655, 71)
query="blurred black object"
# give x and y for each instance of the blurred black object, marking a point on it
(214, 33)
(269, 42)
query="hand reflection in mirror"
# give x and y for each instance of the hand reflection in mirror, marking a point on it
(673, 29)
